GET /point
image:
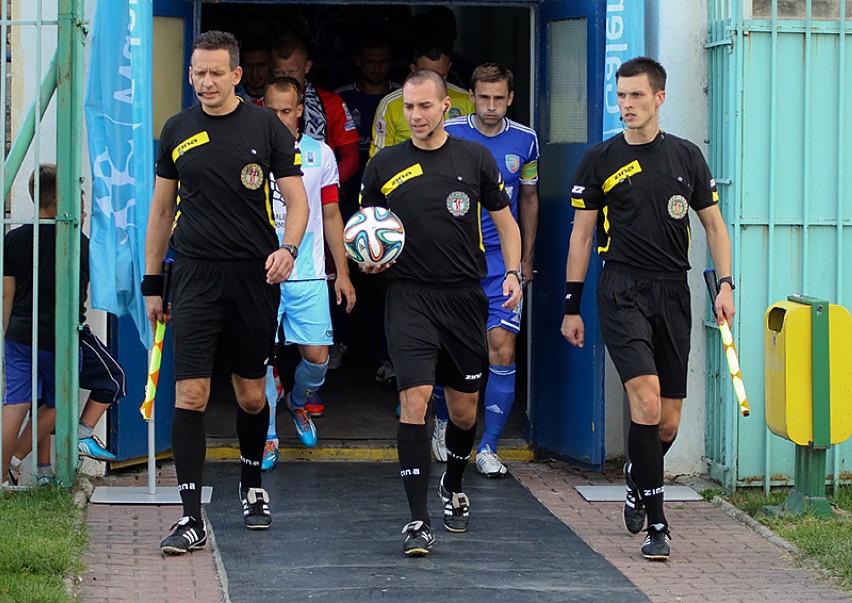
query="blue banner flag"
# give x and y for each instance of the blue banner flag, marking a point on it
(121, 149)
(625, 39)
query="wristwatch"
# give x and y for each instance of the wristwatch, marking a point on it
(729, 280)
(517, 273)
(294, 251)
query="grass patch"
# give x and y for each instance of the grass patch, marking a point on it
(42, 540)
(828, 541)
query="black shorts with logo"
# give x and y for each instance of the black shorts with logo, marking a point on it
(222, 304)
(646, 323)
(436, 336)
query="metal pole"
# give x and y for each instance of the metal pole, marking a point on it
(24, 138)
(68, 155)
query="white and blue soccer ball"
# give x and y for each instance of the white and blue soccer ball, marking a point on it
(373, 236)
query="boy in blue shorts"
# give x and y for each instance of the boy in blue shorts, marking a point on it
(99, 371)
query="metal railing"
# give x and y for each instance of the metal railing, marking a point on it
(64, 76)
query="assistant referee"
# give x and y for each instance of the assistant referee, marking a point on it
(215, 159)
(638, 188)
(436, 311)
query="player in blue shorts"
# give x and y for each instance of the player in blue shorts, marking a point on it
(304, 317)
(515, 147)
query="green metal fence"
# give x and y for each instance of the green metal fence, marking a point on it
(64, 76)
(779, 138)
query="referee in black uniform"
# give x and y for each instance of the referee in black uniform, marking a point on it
(215, 160)
(436, 311)
(638, 188)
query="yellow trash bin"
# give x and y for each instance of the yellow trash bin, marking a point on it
(789, 358)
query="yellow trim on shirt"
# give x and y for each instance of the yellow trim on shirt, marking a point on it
(412, 171)
(196, 140)
(631, 169)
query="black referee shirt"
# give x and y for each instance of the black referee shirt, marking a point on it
(437, 195)
(644, 193)
(222, 164)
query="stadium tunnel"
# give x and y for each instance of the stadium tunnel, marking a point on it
(555, 51)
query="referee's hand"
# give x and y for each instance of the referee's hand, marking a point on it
(279, 265)
(513, 290)
(574, 330)
(367, 269)
(154, 309)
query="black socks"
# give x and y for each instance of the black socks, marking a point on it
(646, 454)
(415, 461)
(459, 444)
(251, 431)
(189, 448)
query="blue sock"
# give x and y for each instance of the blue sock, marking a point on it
(272, 399)
(440, 403)
(309, 378)
(499, 395)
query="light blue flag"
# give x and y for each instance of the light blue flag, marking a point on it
(121, 150)
(625, 39)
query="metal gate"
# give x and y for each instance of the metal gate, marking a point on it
(780, 134)
(24, 32)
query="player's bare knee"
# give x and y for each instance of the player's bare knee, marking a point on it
(252, 405)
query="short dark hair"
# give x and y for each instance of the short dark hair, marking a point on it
(256, 45)
(289, 44)
(639, 65)
(419, 76)
(47, 185)
(492, 73)
(431, 49)
(219, 40)
(372, 40)
(283, 83)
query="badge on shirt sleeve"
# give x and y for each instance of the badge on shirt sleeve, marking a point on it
(513, 163)
(678, 207)
(252, 176)
(458, 203)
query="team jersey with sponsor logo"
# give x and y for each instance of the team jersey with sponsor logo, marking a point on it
(437, 196)
(644, 193)
(515, 149)
(390, 127)
(222, 166)
(319, 173)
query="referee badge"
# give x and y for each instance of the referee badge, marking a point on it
(252, 176)
(458, 203)
(513, 163)
(678, 207)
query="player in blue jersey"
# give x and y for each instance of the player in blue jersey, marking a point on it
(515, 147)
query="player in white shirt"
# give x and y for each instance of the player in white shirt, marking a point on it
(303, 314)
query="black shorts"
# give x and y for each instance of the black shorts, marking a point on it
(225, 304)
(437, 336)
(646, 324)
(100, 372)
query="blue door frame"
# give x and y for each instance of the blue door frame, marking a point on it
(566, 411)
(567, 398)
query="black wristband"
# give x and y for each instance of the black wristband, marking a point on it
(727, 279)
(152, 284)
(573, 296)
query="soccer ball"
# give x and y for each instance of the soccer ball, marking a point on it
(373, 236)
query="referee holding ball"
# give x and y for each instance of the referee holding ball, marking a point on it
(436, 311)
(215, 159)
